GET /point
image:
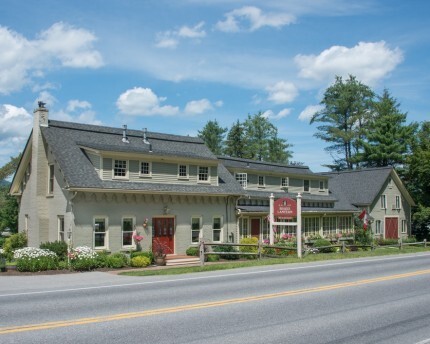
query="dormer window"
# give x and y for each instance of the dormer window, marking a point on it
(306, 185)
(145, 169)
(321, 185)
(261, 183)
(203, 174)
(120, 169)
(284, 182)
(242, 178)
(183, 172)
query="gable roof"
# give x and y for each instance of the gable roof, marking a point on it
(68, 140)
(361, 187)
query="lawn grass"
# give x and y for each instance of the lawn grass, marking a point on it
(380, 251)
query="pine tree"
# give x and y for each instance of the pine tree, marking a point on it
(213, 135)
(387, 138)
(345, 113)
(235, 143)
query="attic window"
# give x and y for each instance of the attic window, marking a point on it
(120, 169)
(51, 180)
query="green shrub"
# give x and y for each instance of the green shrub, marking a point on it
(212, 258)
(386, 242)
(35, 259)
(193, 251)
(249, 249)
(147, 254)
(116, 261)
(321, 243)
(362, 237)
(140, 261)
(410, 239)
(225, 248)
(58, 247)
(84, 264)
(14, 242)
(2, 240)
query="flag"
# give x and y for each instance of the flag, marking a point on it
(364, 217)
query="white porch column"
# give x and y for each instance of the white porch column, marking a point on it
(271, 219)
(299, 225)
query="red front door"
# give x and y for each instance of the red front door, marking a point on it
(255, 228)
(163, 230)
(391, 228)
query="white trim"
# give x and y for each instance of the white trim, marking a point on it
(106, 238)
(148, 175)
(187, 170)
(133, 219)
(59, 218)
(127, 164)
(208, 181)
(221, 229)
(287, 182)
(51, 175)
(242, 182)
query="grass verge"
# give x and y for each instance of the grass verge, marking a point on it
(381, 251)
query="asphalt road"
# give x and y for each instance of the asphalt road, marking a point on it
(377, 300)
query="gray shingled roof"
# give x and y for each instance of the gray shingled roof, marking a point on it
(263, 166)
(358, 187)
(66, 139)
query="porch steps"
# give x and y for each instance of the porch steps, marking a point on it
(174, 260)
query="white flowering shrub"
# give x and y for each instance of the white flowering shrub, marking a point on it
(35, 259)
(83, 258)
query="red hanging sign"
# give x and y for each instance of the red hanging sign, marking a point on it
(285, 208)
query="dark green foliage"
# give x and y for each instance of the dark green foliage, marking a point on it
(421, 223)
(386, 242)
(225, 248)
(10, 168)
(363, 237)
(15, 241)
(345, 113)
(2, 240)
(235, 143)
(320, 243)
(86, 264)
(8, 210)
(213, 135)
(387, 139)
(212, 258)
(37, 264)
(116, 261)
(58, 247)
(193, 251)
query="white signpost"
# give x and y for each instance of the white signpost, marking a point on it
(286, 208)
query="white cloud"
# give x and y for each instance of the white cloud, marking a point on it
(171, 39)
(269, 114)
(74, 104)
(282, 92)
(192, 32)
(219, 103)
(369, 62)
(22, 60)
(15, 127)
(197, 107)
(309, 111)
(143, 102)
(250, 18)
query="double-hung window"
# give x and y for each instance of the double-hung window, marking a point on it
(261, 182)
(61, 234)
(383, 201)
(183, 172)
(378, 227)
(284, 182)
(100, 233)
(51, 179)
(195, 229)
(120, 169)
(397, 202)
(217, 229)
(306, 185)
(145, 169)
(242, 178)
(127, 231)
(322, 185)
(404, 226)
(203, 174)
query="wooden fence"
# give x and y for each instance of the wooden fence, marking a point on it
(260, 249)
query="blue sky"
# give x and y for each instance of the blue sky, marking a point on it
(171, 66)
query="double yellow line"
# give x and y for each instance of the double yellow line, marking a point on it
(123, 316)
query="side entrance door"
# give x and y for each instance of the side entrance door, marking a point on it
(255, 228)
(163, 231)
(391, 228)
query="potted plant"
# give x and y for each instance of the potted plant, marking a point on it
(160, 250)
